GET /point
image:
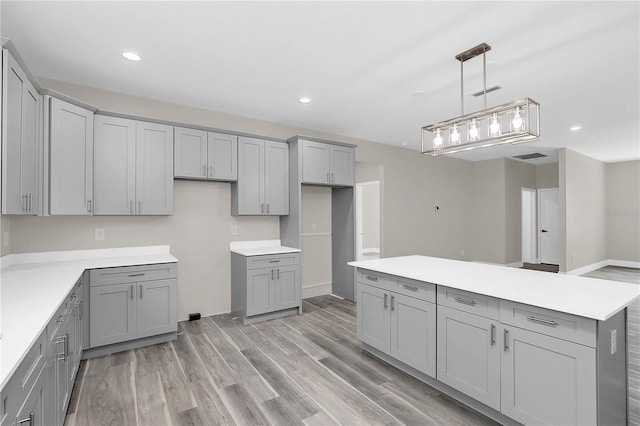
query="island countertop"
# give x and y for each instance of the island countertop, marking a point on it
(34, 285)
(587, 297)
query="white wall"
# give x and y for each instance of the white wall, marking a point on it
(622, 213)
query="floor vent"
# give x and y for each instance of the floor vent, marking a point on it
(529, 156)
(489, 90)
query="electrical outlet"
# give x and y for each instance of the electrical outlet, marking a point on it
(99, 234)
(234, 229)
(614, 341)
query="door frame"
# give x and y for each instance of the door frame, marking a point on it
(359, 215)
(540, 192)
(529, 228)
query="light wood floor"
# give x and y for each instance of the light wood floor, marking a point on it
(306, 369)
(630, 275)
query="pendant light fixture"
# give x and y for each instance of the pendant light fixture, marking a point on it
(514, 122)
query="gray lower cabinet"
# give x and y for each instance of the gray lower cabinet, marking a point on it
(205, 155)
(469, 351)
(398, 325)
(130, 303)
(265, 285)
(327, 164)
(32, 411)
(20, 126)
(263, 178)
(547, 381)
(133, 167)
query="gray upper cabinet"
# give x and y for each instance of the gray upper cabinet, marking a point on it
(20, 118)
(205, 155)
(133, 167)
(327, 164)
(70, 159)
(263, 178)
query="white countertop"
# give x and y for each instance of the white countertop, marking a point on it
(586, 297)
(259, 248)
(34, 285)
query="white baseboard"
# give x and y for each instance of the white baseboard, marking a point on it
(510, 265)
(314, 290)
(515, 264)
(624, 263)
(588, 268)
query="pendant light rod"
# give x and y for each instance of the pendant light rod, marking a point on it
(480, 49)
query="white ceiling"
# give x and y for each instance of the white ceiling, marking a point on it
(374, 70)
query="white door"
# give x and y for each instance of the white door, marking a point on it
(529, 226)
(548, 226)
(368, 220)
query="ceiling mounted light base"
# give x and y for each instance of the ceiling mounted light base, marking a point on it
(514, 122)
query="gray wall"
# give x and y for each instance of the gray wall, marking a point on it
(547, 175)
(489, 211)
(583, 230)
(622, 213)
(518, 175)
(316, 240)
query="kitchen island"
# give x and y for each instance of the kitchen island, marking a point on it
(519, 346)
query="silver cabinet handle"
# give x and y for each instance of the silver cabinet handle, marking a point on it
(262, 208)
(141, 274)
(89, 206)
(141, 291)
(369, 277)
(79, 307)
(29, 419)
(333, 178)
(465, 302)
(385, 300)
(272, 273)
(30, 202)
(493, 334)
(131, 206)
(542, 321)
(139, 207)
(24, 203)
(63, 339)
(328, 180)
(410, 287)
(275, 261)
(66, 345)
(204, 170)
(210, 170)
(278, 273)
(506, 340)
(60, 318)
(131, 290)
(393, 308)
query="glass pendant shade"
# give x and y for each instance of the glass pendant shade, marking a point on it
(437, 140)
(517, 121)
(494, 126)
(454, 136)
(474, 131)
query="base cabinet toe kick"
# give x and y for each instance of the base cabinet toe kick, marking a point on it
(515, 363)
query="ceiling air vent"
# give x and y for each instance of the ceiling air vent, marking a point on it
(529, 156)
(489, 90)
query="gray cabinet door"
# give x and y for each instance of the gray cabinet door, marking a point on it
(32, 410)
(70, 159)
(250, 186)
(156, 307)
(413, 332)
(222, 157)
(260, 291)
(190, 153)
(51, 387)
(316, 160)
(287, 287)
(342, 166)
(114, 165)
(113, 314)
(547, 381)
(154, 169)
(469, 354)
(276, 178)
(373, 317)
(20, 103)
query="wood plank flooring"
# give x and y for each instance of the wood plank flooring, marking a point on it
(307, 369)
(630, 275)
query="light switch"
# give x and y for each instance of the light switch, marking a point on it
(234, 229)
(99, 234)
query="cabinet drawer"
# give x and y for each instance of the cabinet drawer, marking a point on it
(376, 279)
(31, 365)
(418, 289)
(552, 323)
(58, 318)
(128, 274)
(467, 301)
(273, 260)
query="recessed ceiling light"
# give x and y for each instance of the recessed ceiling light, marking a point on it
(404, 143)
(132, 56)
(574, 128)
(418, 93)
(304, 100)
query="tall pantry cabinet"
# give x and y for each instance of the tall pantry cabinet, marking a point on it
(133, 167)
(20, 114)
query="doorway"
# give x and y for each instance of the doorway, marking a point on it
(540, 226)
(529, 226)
(368, 220)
